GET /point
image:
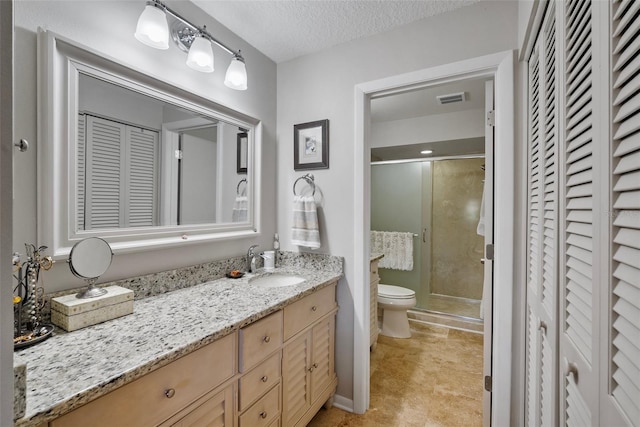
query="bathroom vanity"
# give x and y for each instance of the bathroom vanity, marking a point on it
(228, 350)
(374, 280)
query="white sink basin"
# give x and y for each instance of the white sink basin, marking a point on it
(276, 280)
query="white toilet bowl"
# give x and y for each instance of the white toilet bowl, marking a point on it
(394, 302)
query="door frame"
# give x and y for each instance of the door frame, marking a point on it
(499, 66)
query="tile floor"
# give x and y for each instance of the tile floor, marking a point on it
(432, 379)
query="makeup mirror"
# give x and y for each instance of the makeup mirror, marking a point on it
(88, 260)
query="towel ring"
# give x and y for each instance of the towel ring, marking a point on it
(238, 186)
(310, 180)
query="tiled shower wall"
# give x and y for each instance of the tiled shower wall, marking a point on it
(456, 248)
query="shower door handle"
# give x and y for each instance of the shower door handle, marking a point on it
(424, 235)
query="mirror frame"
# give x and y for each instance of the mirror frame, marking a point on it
(60, 62)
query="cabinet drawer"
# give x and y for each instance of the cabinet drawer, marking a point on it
(160, 394)
(303, 313)
(256, 382)
(264, 411)
(259, 340)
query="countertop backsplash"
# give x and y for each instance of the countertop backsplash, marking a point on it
(154, 284)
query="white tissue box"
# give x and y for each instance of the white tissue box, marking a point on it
(71, 313)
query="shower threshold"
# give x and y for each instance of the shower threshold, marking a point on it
(448, 320)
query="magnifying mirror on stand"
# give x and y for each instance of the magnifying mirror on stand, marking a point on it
(88, 260)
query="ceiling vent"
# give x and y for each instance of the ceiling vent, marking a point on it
(452, 98)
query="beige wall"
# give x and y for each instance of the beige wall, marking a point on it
(456, 248)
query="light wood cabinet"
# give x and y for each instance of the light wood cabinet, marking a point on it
(215, 409)
(308, 372)
(152, 399)
(277, 371)
(374, 278)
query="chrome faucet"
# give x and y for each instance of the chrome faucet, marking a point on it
(251, 259)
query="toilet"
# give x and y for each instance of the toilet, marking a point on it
(394, 302)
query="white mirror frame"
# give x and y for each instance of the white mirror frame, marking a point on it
(60, 61)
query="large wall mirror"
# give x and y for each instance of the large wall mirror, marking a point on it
(136, 161)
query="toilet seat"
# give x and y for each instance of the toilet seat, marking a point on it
(395, 292)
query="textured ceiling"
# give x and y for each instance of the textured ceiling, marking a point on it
(286, 29)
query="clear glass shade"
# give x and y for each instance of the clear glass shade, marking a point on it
(236, 77)
(200, 55)
(152, 28)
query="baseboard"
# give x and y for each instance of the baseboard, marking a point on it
(343, 403)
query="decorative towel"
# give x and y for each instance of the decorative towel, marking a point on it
(397, 248)
(305, 230)
(240, 211)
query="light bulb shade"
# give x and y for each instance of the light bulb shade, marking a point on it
(200, 56)
(152, 28)
(236, 77)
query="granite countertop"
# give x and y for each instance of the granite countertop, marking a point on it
(375, 257)
(71, 369)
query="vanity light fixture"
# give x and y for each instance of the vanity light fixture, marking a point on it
(153, 30)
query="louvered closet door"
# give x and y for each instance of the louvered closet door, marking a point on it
(80, 182)
(581, 245)
(543, 228)
(141, 197)
(622, 386)
(105, 164)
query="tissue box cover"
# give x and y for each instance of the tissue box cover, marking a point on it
(71, 313)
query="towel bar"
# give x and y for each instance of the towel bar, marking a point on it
(310, 180)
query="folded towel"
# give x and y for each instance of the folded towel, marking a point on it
(240, 211)
(397, 248)
(305, 230)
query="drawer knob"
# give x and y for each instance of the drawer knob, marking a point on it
(314, 308)
(313, 367)
(169, 393)
(264, 379)
(263, 414)
(267, 338)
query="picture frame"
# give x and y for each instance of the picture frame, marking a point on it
(241, 157)
(311, 145)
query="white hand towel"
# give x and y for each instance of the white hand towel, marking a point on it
(305, 230)
(240, 211)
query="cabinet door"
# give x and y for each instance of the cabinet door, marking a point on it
(212, 410)
(296, 394)
(322, 356)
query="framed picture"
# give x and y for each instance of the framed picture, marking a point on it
(311, 145)
(241, 160)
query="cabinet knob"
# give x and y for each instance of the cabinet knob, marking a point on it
(313, 367)
(264, 379)
(169, 393)
(267, 338)
(263, 414)
(314, 308)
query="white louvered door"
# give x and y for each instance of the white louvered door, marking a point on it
(597, 200)
(543, 228)
(104, 168)
(120, 176)
(621, 385)
(581, 242)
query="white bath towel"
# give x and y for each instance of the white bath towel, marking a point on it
(397, 248)
(305, 231)
(480, 229)
(240, 211)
